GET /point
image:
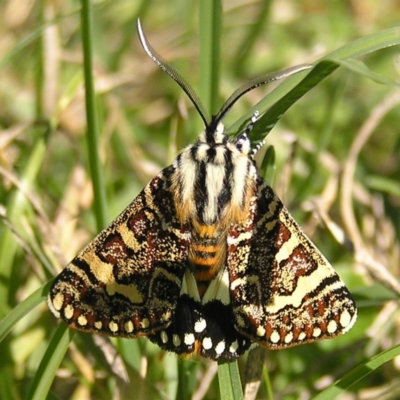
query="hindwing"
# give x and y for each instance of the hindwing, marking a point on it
(283, 290)
(203, 326)
(126, 282)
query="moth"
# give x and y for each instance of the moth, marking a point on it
(206, 260)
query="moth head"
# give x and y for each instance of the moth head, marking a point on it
(214, 130)
(213, 135)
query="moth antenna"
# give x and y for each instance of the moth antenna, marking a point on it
(174, 74)
(255, 83)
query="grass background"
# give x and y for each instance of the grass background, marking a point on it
(336, 166)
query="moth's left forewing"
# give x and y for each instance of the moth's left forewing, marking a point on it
(126, 282)
(283, 290)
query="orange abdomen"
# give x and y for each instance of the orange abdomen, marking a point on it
(207, 255)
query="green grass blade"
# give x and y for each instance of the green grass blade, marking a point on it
(186, 379)
(230, 387)
(268, 165)
(268, 384)
(358, 373)
(210, 39)
(360, 68)
(276, 108)
(292, 88)
(48, 367)
(23, 308)
(367, 44)
(279, 107)
(100, 204)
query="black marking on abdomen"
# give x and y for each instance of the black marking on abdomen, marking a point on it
(202, 329)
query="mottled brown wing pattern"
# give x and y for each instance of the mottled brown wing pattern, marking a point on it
(283, 290)
(127, 281)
